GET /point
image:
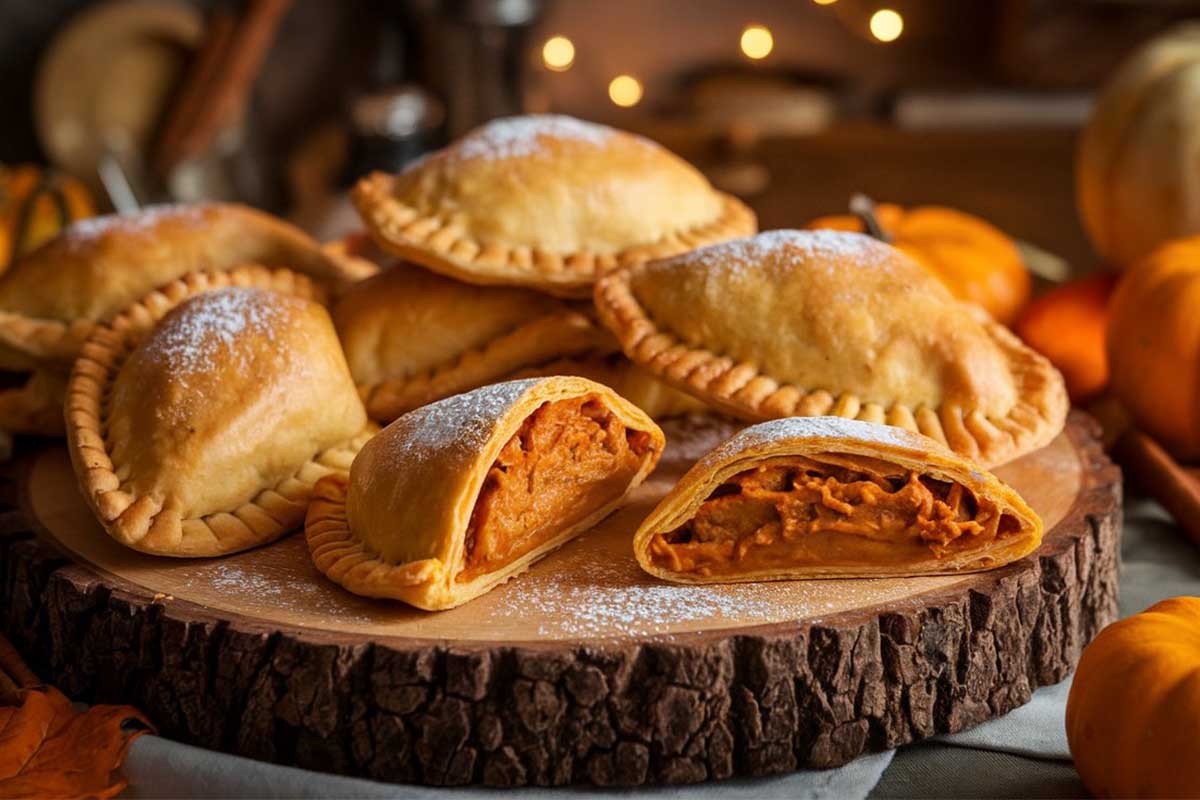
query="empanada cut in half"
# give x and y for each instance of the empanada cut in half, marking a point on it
(828, 497)
(412, 337)
(548, 202)
(199, 419)
(458, 496)
(810, 323)
(52, 298)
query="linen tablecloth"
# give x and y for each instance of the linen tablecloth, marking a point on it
(1023, 754)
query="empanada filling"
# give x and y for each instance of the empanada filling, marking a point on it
(828, 511)
(568, 459)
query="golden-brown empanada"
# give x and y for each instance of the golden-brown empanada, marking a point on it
(458, 496)
(52, 298)
(828, 497)
(546, 201)
(199, 419)
(807, 323)
(635, 383)
(412, 337)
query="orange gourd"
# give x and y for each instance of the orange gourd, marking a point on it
(1134, 705)
(1067, 325)
(36, 204)
(1136, 178)
(1154, 345)
(974, 258)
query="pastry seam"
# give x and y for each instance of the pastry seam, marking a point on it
(742, 389)
(384, 399)
(47, 339)
(444, 247)
(131, 518)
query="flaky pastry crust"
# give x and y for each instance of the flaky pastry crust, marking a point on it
(412, 337)
(845, 440)
(154, 457)
(397, 526)
(547, 202)
(52, 298)
(811, 323)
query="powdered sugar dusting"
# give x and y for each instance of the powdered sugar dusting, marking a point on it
(139, 223)
(202, 332)
(609, 603)
(842, 249)
(464, 420)
(517, 137)
(523, 137)
(831, 428)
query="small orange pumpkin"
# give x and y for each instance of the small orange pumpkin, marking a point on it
(1136, 176)
(36, 204)
(1134, 705)
(1154, 345)
(1067, 325)
(974, 258)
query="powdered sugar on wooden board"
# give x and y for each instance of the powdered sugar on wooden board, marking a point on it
(615, 598)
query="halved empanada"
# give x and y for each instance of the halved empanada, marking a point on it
(412, 337)
(199, 419)
(548, 202)
(457, 497)
(805, 323)
(828, 497)
(52, 298)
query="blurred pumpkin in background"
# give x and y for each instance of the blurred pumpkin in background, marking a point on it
(1067, 325)
(1154, 345)
(1137, 173)
(1134, 702)
(972, 257)
(35, 205)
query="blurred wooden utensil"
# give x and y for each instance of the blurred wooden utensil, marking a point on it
(105, 78)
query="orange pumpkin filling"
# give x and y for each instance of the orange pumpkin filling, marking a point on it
(568, 459)
(838, 511)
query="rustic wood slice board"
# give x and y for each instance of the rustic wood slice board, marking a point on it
(582, 670)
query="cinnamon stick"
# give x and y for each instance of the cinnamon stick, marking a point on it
(1154, 471)
(216, 88)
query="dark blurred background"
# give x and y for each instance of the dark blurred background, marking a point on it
(792, 104)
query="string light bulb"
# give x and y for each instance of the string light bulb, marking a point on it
(625, 91)
(757, 41)
(886, 25)
(558, 53)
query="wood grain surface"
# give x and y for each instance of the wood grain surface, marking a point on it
(583, 670)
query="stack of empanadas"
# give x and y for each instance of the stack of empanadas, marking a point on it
(508, 229)
(53, 298)
(557, 286)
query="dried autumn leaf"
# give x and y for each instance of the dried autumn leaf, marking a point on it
(47, 749)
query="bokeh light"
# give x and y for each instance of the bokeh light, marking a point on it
(625, 91)
(886, 25)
